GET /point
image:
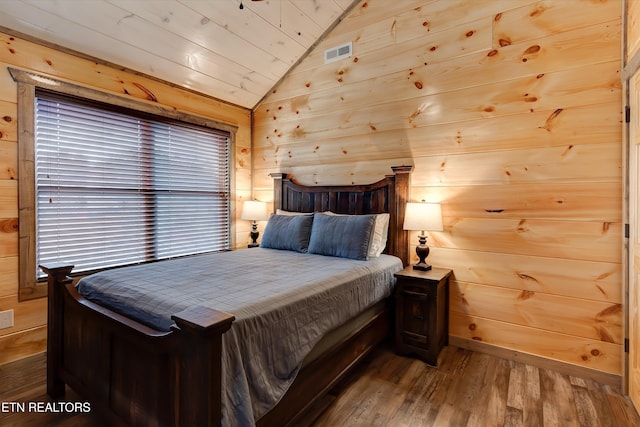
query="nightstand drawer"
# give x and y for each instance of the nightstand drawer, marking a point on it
(416, 340)
(415, 312)
(415, 293)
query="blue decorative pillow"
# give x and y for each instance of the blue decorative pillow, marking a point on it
(342, 236)
(380, 233)
(290, 233)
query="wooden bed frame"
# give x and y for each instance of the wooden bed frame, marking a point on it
(135, 375)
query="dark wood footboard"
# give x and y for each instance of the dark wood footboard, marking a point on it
(130, 373)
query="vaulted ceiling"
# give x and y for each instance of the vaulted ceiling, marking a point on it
(211, 46)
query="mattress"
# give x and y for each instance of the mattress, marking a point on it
(284, 303)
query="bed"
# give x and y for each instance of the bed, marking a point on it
(174, 370)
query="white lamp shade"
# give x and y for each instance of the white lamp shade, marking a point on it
(254, 210)
(423, 216)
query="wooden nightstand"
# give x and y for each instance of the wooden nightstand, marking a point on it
(422, 312)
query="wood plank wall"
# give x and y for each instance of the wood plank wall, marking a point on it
(28, 336)
(633, 29)
(510, 111)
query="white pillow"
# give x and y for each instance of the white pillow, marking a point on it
(380, 234)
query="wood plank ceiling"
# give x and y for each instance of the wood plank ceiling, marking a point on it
(210, 46)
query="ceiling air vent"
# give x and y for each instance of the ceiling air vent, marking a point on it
(338, 52)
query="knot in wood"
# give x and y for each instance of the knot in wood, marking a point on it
(532, 49)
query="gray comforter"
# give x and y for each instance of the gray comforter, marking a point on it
(284, 302)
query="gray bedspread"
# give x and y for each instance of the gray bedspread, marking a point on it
(284, 302)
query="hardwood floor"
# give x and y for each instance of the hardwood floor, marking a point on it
(467, 389)
(24, 382)
(470, 389)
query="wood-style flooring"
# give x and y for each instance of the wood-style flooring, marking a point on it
(470, 389)
(467, 389)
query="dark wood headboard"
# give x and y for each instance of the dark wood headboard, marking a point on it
(390, 194)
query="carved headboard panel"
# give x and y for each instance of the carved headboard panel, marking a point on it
(390, 194)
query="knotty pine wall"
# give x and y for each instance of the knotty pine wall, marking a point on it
(29, 334)
(632, 28)
(510, 111)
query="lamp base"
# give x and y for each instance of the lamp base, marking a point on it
(254, 234)
(422, 266)
(422, 250)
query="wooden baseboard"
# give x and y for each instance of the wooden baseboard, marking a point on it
(541, 362)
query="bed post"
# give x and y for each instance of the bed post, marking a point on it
(277, 189)
(57, 277)
(200, 378)
(402, 190)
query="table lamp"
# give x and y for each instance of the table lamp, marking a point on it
(420, 217)
(254, 210)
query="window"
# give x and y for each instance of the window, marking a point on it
(110, 184)
(116, 188)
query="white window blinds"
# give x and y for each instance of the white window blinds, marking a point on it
(114, 188)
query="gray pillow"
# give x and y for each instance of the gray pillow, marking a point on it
(290, 233)
(342, 236)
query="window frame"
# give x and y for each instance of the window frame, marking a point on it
(27, 82)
